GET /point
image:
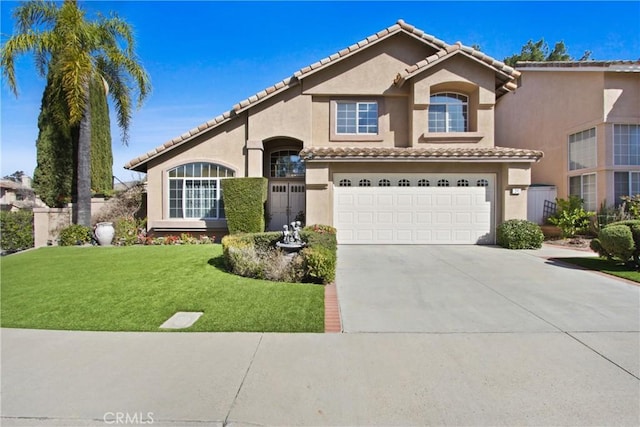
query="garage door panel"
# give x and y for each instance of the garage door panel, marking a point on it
(463, 218)
(365, 200)
(443, 200)
(384, 200)
(424, 200)
(404, 200)
(444, 218)
(423, 217)
(415, 215)
(366, 218)
(423, 236)
(462, 235)
(384, 217)
(404, 235)
(345, 218)
(384, 235)
(403, 218)
(463, 200)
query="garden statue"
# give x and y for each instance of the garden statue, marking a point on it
(291, 241)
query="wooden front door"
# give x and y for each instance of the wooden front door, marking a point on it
(286, 203)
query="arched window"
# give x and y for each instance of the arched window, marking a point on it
(463, 183)
(404, 183)
(194, 190)
(443, 183)
(344, 183)
(423, 183)
(384, 183)
(364, 183)
(448, 112)
(482, 183)
(286, 164)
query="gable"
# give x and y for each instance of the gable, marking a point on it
(372, 71)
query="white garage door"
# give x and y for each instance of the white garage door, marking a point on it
(414, 208)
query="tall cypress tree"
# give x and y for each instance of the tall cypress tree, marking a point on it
(101, 153)
(54, 174)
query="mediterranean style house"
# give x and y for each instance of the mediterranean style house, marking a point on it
(390, 140)
(585, 116)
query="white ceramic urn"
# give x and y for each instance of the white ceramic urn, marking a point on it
(104, 233)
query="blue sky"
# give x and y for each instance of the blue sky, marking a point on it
(205, 56)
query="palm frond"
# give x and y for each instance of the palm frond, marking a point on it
(34, 14)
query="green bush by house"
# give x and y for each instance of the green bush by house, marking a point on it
(619, 241)
(571, 217)
(519, 234)
(256, 255)
(16, 230)
(244, 200)
(75, 235)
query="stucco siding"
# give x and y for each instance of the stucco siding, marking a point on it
(224, 145)
(370, 72)
(286, 115)
(551, 105)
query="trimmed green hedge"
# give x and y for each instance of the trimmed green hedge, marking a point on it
(619, 240)
(16, 230)
(256, 255)
(244, 200)
(519, 234)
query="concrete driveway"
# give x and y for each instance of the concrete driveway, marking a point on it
(449, 289)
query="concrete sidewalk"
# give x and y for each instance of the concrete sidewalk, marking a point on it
(56, 378)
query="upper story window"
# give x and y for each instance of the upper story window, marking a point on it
(448, 112)
(286, 164)
(356, 118)
(626, 145)
(194, 191)
(582, 150)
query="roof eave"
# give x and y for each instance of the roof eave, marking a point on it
(423, 159)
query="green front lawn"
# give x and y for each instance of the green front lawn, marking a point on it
(137, 288)
(604, 266)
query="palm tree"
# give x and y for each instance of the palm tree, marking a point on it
(74, 52)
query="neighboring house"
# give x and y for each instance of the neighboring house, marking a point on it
(390, 140)
(15, 196)
(585, 116)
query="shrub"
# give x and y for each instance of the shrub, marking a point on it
(320, 235)
(126, 204)
(571, 217)
(129, 231)
(16, 230)
(255, 255)
(631, 205)
(246, 259)
(319, 264)
(244, 200)
(519, 234)
(75, 235)
(619, 241)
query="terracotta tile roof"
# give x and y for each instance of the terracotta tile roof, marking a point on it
(400, 26)
(411, 153)
(614, 65)
(508, 74)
